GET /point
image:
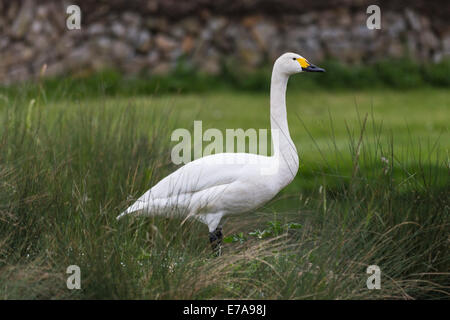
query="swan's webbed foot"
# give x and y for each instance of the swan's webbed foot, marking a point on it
(215, 238)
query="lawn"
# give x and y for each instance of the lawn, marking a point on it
(371, 190)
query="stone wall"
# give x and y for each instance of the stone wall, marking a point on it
(152, 38)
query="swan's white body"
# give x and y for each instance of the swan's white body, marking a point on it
(217, 185)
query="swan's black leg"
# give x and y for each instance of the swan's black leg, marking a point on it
(215, 238)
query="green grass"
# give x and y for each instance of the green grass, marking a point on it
(185, 78)
(69, 166)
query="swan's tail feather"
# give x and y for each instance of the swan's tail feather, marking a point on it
(121, 215)
(134, 208)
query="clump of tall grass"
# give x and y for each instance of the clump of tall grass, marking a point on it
(65, 176)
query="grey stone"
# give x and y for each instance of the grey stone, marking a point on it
(34, 34)
(23, 20)
(428, 39)
(144, 41)
(131, 18)
(216, 24)
(178, 32)
(161, 68)
(396, 49)
(120, 50)
(118, 29)
(96, 29)
(307, 18)
(413, 19)
(264, 33)
(446, 43)
(209, 62)
(396, 25)
(132, 35)
(78, 57)
(165, 43)
(103, 44)
(157, 24)
(191, 25)
(19, 73)
(153, 58)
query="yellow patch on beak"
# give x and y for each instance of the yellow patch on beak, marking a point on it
(303, 63)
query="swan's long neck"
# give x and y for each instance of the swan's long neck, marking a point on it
(284, 148)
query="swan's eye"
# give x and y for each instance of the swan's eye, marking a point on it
(294, 59)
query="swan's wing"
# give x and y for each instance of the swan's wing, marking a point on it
(200, 181)
(204, 173)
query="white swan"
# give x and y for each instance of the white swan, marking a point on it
(217, 185)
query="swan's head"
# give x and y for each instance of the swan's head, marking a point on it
(291, 63)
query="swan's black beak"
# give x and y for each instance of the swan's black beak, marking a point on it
(313, 68)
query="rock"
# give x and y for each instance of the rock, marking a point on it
(425, 22)
(34, 33)
(446, 43)
(118, 29)
(217, 24)
(396, 49)
(311, 49)
(248, 52)
(19, 73)
(327, 19)
(211, 66)
(23, 20)
(139, 64)
(153, 58)
(395, 24)
(302, 33)
(131, 19)
(165, 43)
(144, 41)
(41, 42)
(4, 43)
(187, 45)
(206, 35)
(174, 54)
(428, 39)
(121, 51)
(103, 44)
(12, 11)
(264, 33)
(159, 24)
(18, 53)
(36, 27)
(191, 25)
(42, 12)
(96, 29)
(64, 45)
(411, 44)
(359, 19)
(79, 57)
(307, 18)
(362, 33)
(250, 21)
(161, 68)
(413, 19)
(210, 62)
(152, 5)
(344, 18)
(57, 19)
(55, 69)
(177, 32)
(332, 34)
(132, 35)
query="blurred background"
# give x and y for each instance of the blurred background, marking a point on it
(157, 37)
